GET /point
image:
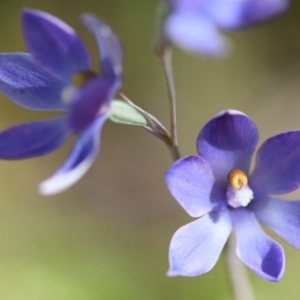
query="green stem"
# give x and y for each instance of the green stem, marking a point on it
(239, 278)
(175, 153)
(166, 61)
(164, 53)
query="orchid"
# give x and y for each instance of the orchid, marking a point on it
(194, 25)
(57, 75)
(215, 185)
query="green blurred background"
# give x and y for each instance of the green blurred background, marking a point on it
(108, 236)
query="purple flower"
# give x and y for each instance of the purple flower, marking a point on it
(194, 24)
(216, 186)
(57, 75)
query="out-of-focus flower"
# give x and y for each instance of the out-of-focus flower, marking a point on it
(57, 75)
(194, 25)
(216, 187)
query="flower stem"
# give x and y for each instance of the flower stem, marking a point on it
(238, 274)
(165, 56)
(163, 51)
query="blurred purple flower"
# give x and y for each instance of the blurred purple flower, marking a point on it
(194, 24)
(57, 75)
(215, 187)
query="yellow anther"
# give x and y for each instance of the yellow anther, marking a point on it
(237, 178)
(80, 78)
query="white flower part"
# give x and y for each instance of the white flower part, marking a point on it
(68, 94)
(105, 31)
(106, 109)
(243, 196)
(62, 181)
(229, 111)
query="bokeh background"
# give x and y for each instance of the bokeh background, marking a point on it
(108, 236)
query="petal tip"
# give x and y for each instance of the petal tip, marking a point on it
(89, 18)
(27, 14)
(27, 11)
(59, 182)
(32, 18)
(272, 272)
(172, 272)
(33, 13)
(281, 255)
(230, 112)
(56, 184)
(47, 188)
(86, 16)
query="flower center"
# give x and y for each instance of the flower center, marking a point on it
(238, 191)
(78, 80)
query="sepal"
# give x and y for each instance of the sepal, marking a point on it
(124, 113)
(153, 125)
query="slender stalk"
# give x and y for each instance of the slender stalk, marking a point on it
(163, 51)
(165, 57)
(174, 152)
(240, 281)
(156, 128)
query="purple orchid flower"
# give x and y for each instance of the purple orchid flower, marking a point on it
(57, 75)
(217, 187)
(194, 25)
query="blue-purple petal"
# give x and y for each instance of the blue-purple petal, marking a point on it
(281, 216)
(79, 161)
(259, 252)
(25, 83)
(235, 14)
(196, 34)
(189, 5)
(227, 142)
(92, 100)
(277, 165)
(111, 51)
(232, 14)
(54, 44)
(33, 138)
(192, 184)
(196, 247)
